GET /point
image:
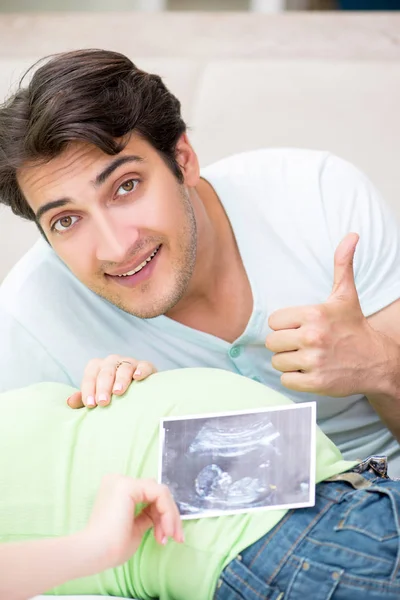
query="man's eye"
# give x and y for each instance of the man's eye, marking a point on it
(128, 186)
(64, 223)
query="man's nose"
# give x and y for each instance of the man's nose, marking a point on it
(114, 239)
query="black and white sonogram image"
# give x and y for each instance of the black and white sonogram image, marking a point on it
(240, 461)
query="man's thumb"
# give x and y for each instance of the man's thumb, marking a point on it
(344, 286)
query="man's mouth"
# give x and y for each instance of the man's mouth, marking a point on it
(142, 264)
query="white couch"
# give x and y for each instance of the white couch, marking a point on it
(326, 81)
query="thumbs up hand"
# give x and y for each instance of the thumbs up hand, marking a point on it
(327, 348)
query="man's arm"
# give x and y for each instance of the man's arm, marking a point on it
(386, 399)
(349, 344)
(332, 349)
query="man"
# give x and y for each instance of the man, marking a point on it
(232, 267)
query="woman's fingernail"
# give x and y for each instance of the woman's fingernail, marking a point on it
(164, 540)
(137, 372)
(90, 401)
(182, 537)
(117, 387)
(103, 398)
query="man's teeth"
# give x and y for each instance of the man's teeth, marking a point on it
(140, 267)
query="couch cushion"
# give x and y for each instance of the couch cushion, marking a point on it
(349, 108)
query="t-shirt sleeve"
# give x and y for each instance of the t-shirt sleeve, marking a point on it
(23, 359)
(352, 204)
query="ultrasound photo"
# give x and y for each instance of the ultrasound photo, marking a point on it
(240, 461)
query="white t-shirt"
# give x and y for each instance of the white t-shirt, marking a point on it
(289, 210)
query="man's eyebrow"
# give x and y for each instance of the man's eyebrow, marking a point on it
(117, 162)
(100, 179)
(49, 206)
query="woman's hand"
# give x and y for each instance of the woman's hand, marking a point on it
(113, 528)
(106, 376)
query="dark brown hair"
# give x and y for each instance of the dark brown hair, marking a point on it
(95, 96)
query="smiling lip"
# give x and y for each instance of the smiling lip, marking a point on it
(144, 273)
(134, 265)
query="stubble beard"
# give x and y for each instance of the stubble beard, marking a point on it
(182, 271)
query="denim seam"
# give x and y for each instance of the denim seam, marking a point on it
(352, 507)
(235, 575)
(334, 582)
(338, 547)
(391, 495)
(293, 578)
(301, 537)
(397, 566)
(386, 538)
(354, 581)
(270, 537)
(343, 526)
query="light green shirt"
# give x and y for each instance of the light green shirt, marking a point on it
(52, 459)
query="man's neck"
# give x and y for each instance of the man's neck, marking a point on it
(219, 299)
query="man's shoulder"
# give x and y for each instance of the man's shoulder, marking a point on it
(42, 311)
(40, 290)
(275, 179)
(31, 277)
(262, 159)
(31, 263)
(285, 163)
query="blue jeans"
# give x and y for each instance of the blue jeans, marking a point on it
(344, 548)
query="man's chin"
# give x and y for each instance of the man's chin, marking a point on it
(148, 311)
(144, 313)
(151, 304)
(141, 312)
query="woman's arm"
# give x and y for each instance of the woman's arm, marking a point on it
(112, 535)
(29, 568)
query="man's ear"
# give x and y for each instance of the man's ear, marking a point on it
(187, 160)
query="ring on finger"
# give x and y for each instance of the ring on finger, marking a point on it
(121, 362)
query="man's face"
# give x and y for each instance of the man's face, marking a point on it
(123, 224)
